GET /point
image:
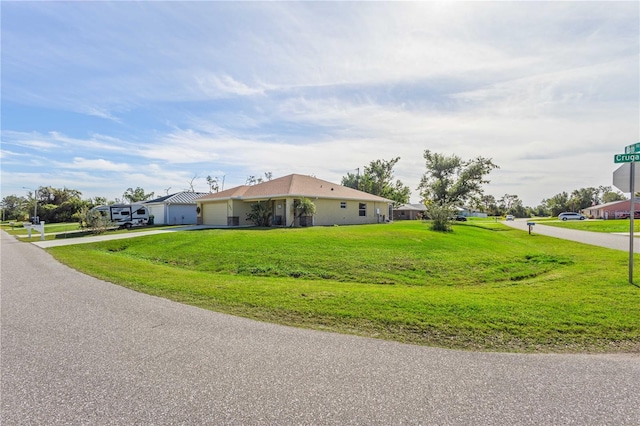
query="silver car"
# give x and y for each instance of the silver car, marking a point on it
(571, 216)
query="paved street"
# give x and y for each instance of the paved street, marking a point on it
(77, 350)
(602, 239)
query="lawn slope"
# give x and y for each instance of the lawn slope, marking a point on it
(482, 287)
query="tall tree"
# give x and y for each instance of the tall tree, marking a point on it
(213, 184)
(557, 204)
(377, 179)
(449, 180)
(191, 183)
(135, 195)
(583, 198)
(611, 196)
(14, 207)
(508, 200)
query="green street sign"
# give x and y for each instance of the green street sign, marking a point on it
(626, 158)
(632, 149)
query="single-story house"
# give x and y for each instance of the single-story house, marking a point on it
(417, 211)
(409, 211)
(612, 210)
(335, 204)
(175, 209)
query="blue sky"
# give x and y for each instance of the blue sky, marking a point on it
(101, 96)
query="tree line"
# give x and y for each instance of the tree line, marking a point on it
(448, 181)
(55, 205)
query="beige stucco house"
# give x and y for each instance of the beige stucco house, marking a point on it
(335, 204)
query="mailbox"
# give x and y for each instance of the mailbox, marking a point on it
(530, 225)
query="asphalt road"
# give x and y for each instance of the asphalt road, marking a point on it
(77, 350)
(602, 239)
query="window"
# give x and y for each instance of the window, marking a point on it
(343, 204)
(362, 208)
(141, 211)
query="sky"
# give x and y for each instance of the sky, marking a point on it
(105, 96)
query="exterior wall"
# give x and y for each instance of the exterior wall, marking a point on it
(173, 214)
(240, 209)
(214, 213)
(181, 214)
(614, 211)
(157, 211)
(329, 212)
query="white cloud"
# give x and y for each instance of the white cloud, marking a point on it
(99, 164)
(549, 90)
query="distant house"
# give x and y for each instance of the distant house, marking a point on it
(409, 211)
(612, 210)
(175, 209)
(335, 204)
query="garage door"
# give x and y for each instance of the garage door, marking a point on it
(214, 214)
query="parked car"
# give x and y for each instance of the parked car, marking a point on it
(461, 218)
(510, 217)
(571, 216)
(627, 215)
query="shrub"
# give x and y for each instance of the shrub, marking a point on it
(261, 213)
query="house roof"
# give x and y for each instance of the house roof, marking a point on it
(293, 186)
(613, 203)
(414, 207)
(184, 197)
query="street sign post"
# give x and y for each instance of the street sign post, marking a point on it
(622, 178)
(632, 214)
(631, 155)
(626, 158)
(628, 173)
(631, 149)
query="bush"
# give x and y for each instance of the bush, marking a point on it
(95, 222)
(261, 213)
(440, 217)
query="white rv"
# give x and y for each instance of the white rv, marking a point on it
(125, 215)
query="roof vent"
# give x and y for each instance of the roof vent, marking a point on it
(332, 189)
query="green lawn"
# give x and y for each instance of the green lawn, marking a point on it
(17, 229)
(482, 287)
(594, 225)
(71, 230)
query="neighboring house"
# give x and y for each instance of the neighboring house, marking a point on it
(335, 204)
(467, 212)
(175, 209)
(612, 210)
(409, 211)
(418, 211)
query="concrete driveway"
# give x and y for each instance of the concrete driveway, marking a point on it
(77, 350)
